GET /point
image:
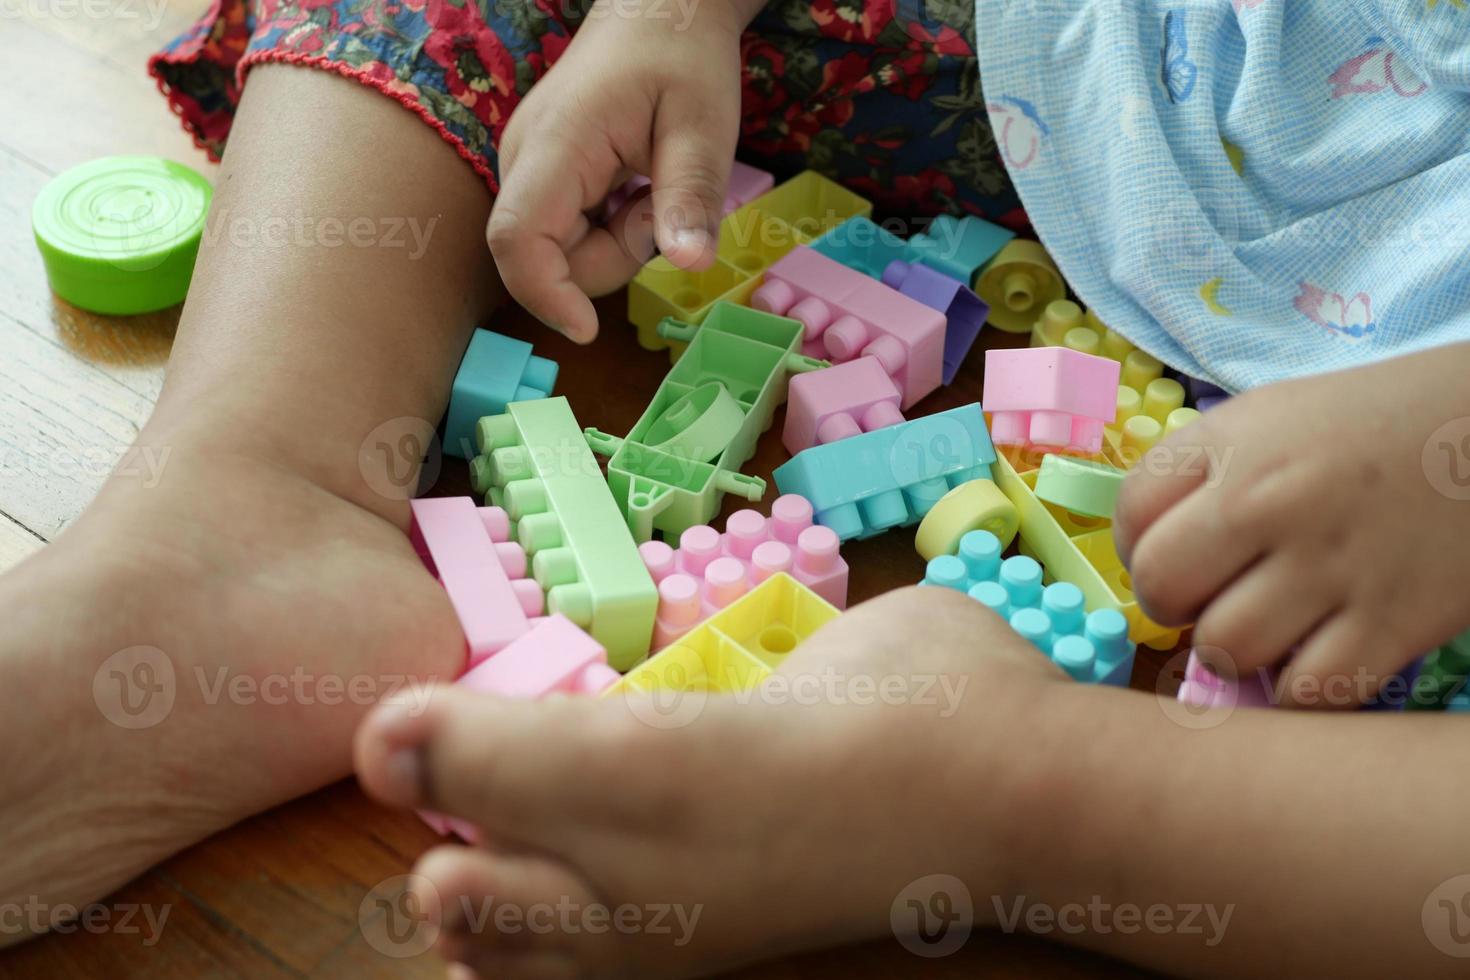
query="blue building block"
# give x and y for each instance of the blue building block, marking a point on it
(959, 247)
(863, 246)
(1091, 647)
(496, 370)
(890, 477)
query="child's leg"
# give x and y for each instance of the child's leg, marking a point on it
(268, 548)
(781, 823)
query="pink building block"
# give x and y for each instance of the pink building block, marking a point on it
(1206, 689)
(555, 657)
(1049, 396)
(746, 184)
(469, 550)
(843, 400)
(849, 315)
(710, 570)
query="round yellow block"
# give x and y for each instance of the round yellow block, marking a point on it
(974, 506)
(1018, 284)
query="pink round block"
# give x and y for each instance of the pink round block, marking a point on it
(770, 558)
(880, 415)
(496, 521)
(836, 427)
(1050, 429)
(678, 600)
(890, 352)
(744, 530)
(1008, 428)
(512, 558)
(791, 513)
(724, 582)
(699, 545)
(658, 558)
(813, 314)
(817, 549)
(845, 338)
(773, 297)
(529, 595)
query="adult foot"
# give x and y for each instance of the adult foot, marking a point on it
(761, 826)
(1314, 523)
(191, 652)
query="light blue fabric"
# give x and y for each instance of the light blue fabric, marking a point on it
(1345, 238)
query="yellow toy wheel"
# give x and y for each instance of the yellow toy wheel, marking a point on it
(973, 506)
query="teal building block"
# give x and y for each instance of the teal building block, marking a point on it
(684, 453)
(959, 247)
(865, 246)
(890, 477)
(1091, 647)
(495, 371)
(534, 462)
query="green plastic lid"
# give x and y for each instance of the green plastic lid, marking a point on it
(119, 235)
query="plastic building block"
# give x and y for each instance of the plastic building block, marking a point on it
(737, 647)
(977, 505)
(1442, 676)
(1050, 396)
(535, 463)
(746, 184)
(710, 570)
(964, 312)
(1080, 485)
(1063, 324)
(119, 235)
(1206, 689)
(848, 315)
(1077, 549)
(865, 247)
(840, 401)
(752, 237)
(469, 550)
(959, 247)
(1018, 284)
(749, 354)
(893, 476)
(495, 371)
(554, 657)
(1091, 647)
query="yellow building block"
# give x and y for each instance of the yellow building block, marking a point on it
(752, 238)
(1075, 549)
(738, 647)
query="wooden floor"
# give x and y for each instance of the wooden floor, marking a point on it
(277, 895)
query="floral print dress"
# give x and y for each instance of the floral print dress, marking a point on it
(882, 95)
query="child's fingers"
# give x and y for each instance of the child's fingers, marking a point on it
(693, 145)
(535, 225)
(606, 258)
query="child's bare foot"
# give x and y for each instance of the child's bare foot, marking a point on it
(767, 826)
(264, 614)
(1307, 520)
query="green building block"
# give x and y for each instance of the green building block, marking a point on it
(1442, 676)
(534, 462)
(683, 455)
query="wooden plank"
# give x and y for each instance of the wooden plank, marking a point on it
(63, 425)
(16, 543)
(51, 87)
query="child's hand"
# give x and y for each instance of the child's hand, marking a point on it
(657, 93)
